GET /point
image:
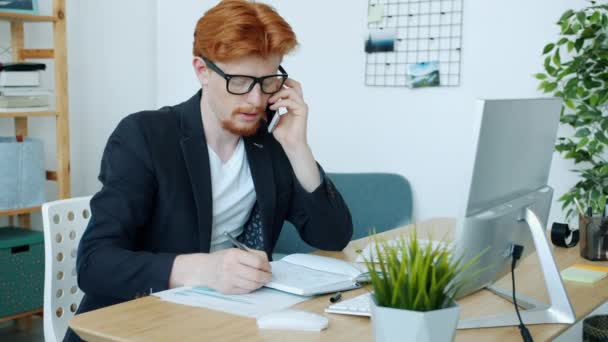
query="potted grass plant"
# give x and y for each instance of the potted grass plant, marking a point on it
(414, 287)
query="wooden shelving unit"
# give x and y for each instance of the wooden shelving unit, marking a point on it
(21, 119)
(18, 17)
(26, 114)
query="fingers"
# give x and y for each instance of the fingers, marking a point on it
(254, 259)
(286, 93)
(242, 271)
(253, 275)
(262, 254)
(288, 103)
(295, 85)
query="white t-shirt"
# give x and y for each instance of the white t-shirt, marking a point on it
(233, 195)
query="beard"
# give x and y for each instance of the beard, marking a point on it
(243, 128)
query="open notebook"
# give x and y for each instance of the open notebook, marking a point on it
(307, 275)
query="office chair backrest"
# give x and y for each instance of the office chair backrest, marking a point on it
(379, 201)
(64, 222)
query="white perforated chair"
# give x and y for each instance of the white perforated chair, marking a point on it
(64, 222)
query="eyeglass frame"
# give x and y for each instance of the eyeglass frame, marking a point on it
(256, 80)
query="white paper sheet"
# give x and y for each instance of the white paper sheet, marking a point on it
(260, 302)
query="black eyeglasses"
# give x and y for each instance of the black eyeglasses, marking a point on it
(242, 84)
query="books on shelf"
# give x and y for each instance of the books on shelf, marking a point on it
(24, 109)
(22, 66)
(19, 78)
(26, 98)
(24, 101)
(20, 88)
(24, 91)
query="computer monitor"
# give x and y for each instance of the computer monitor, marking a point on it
(508, 203)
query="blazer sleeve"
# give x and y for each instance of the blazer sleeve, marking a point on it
(321, 217)
(108, 261)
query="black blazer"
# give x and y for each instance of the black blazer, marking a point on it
(156, 201)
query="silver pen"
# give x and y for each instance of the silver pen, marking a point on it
(236, 242)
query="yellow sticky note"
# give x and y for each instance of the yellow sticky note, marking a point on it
(592, 267)
(582, 275)
(375, 13)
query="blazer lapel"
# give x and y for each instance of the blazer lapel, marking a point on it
(260, 164)
(196, 156)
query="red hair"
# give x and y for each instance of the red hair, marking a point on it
(238, 28)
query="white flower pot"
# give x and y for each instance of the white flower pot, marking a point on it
(390, 324)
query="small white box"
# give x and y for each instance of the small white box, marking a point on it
(22, 173)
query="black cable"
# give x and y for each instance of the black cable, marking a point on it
(525, 333)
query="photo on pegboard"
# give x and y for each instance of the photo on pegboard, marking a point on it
(380, 40)
(424, 74)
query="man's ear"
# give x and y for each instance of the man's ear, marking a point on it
(201, 70)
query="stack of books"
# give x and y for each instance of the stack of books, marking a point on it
(20, 89)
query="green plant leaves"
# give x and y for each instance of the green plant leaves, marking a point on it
(584, 141)
(580, 16)
(583, 132)
(557, 59)
(570, 46)
(548, 48)
(580, 78)
(578, 44)
(569, 13)
(570, 104)
(601, 137)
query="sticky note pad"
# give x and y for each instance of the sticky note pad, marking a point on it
(582, 274)
(375, 13)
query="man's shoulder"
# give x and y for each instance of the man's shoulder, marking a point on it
(159, 117)
(158, 123)
(163, 121)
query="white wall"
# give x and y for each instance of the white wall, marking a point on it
(126, 56)
(111, 73)
(423, 134)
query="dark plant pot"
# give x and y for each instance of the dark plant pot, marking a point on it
(594, 237)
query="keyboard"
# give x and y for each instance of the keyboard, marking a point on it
(358, 306)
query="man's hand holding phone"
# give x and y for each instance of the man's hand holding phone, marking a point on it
(290, 132)
(290, 126)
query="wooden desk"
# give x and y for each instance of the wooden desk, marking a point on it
(149, 319)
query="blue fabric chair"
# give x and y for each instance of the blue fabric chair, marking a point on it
(377, 201)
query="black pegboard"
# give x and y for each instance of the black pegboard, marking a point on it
(426, 30)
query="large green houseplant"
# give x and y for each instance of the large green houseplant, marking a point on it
(414, 287)
(576, 69)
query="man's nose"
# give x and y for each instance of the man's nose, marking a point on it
(256, 96)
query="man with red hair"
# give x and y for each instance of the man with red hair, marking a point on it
(178, 181)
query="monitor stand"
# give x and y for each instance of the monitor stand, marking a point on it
(559, 309)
